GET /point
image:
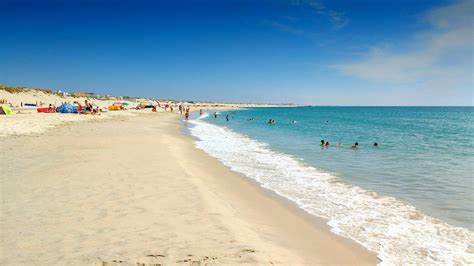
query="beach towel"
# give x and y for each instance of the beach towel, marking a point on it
(6, 110)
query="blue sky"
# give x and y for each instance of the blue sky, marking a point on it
(357, 52)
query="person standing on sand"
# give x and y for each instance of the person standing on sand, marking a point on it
(186, 115)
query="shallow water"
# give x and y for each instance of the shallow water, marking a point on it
(410, 199)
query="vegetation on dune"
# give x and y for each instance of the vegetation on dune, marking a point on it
(14, 89)
(17, 89)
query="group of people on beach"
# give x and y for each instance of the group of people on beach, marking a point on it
(183, 109)
(87, 108)
(166, 106)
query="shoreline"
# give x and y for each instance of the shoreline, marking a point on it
(130, 210)
(319, 223)
(387, 225)
(316, 221)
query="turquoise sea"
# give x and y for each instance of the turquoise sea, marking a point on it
(410, 198)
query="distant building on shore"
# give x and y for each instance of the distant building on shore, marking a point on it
(83, 94)
(109, 97)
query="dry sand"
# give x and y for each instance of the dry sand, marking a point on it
(135, 189)
(33, 123)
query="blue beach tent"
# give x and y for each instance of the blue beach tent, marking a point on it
(67, 108)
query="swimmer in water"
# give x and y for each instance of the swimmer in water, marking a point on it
(227, 118)
(376, 144)
(322, 142)
(355, 145)
(327, 144)
(294, 122)
(215, 115)
(339, 145)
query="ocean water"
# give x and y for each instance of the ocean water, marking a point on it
(410, 199)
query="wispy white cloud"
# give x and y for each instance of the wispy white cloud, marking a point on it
(291, 24)
(436, 60)
(337, 19)
(284, 27)
(458, 14)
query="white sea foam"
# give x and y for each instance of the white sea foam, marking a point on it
(204, 115)
(397, 231)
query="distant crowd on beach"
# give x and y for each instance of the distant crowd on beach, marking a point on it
(88, 107)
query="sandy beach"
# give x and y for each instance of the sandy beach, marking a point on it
(134, 189)
(308, 132)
